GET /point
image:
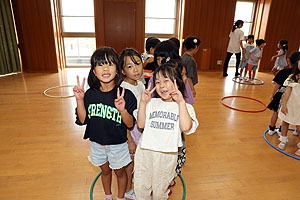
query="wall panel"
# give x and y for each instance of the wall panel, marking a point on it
(283, 23)
(211, 21)
(36, 36)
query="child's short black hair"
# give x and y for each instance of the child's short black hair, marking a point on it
(295, 69)
(250, 37)
(294, 57)
(103, 56)
(260, 42)
(171, 69)
(191, 42)
(166, 49)
(176, 43)
(151, 42)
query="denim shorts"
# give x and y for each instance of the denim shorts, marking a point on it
(117, 155)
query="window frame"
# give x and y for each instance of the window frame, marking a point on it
(73, 35)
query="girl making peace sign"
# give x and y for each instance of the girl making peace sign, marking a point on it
(108, 115)
(163, 119)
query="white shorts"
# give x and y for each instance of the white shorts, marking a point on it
(117, 155)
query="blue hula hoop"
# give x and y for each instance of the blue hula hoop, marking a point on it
(261, 81)
(95, 180)
(297, 158)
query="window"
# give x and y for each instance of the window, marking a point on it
(78, 31)
(244, 10)
(161, 18)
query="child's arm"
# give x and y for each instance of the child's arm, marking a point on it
(79, 95)
(145, 97)
(131, 144)
(192, 86)
(278, 55)
(249, 54)
(286, 97)
(185, 120)
(276, 87)
(120, 105)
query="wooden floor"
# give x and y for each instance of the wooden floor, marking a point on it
(43, 155)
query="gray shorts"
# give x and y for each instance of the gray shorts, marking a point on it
(117, 155)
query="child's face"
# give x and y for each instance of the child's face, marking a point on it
(279, 46)
(262, 45)
(131, 70)
(251, 40)
(159, 59)
(164, 86)
(105, 73)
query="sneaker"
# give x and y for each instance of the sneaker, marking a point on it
(270, 132)
(173, 183)
(108, 197)
(282, 145)
(224, 75)
(236, 74)
(298, 145)
(278, 132)
(295, 133)
(129, 195)
(297, 152)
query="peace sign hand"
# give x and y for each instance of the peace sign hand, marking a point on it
(146, 95)
(78, 89)
(119, 101)
(176, 94)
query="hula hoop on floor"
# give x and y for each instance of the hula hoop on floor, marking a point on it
(53, 96)
(250, 111)
(236, 77)
(93, 185)
(297, 158)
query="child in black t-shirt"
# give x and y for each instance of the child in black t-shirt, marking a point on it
(278, 91)
(107, 114)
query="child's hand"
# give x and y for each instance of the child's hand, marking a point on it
(146, 95)
(176, 94)
(273, 58)
(251, 58)
(284, 110)
(78, 89)
(132, 147)
(119, 101)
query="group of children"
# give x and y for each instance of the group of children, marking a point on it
(134, 129)
(285, 98)
(251, 57)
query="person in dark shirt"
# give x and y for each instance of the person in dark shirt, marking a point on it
(107, 111)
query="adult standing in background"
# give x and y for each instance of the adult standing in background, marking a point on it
(234, 47)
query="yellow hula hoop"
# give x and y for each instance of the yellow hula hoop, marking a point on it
(52, 96)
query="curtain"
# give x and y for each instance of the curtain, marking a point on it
(9, 56)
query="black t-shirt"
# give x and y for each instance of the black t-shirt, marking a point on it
(104, 122)
(149, 68)
(281, 76)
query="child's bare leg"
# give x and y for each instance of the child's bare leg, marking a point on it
(250, 75)
(274, 119)
(284, 128)
(106, 178)
(245, 73)
(122, 181)
(253, 74)
(129, 171)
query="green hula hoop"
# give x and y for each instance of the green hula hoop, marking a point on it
(93, 185)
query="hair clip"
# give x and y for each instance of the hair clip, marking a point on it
(168, 59)
(195, 40)
(182, 40)
(284, 45)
